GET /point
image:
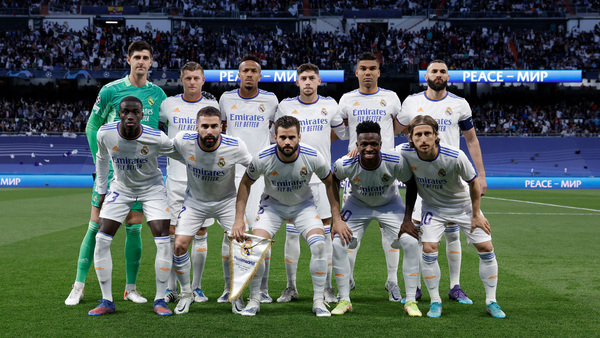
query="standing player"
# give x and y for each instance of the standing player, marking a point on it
(453, 115)
(318, 117)
(287, 168)
(371, 103)
(210, 159)
(133, 149)
(374, 196)
(440, 171)
(248, 113)
(179, 114)
(106, 108)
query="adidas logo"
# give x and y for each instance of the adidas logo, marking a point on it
(167, 210)
(234, 107)
(317, 217)
(192, 158)
(420, 110)
(274, 173)
(177, 110)
(414, 168)
(356, 103)
(115, 148)
(356, 179)
(295, 111)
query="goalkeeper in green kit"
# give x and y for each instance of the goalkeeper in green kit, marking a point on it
(106, 109)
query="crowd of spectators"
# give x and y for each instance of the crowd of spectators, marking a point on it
(58, 47)
(491, 116)
(34, 116)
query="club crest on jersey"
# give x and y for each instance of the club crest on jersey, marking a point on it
(221, 162)
(442, 172)
(385, 177)
(261, 108)
(144, 150)
(303, 171)
(324, 112)
(150, 101)
(246, 248)
(251, 168)
(383, 103)
(448, 111)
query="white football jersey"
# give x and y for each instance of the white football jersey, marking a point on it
(441, 181)
(135, 162)
(449, 113)
(180, 115)
(211, 174)
(382, 107)
(287, 182)
(249, 118)
(373, 188)
(317, 119)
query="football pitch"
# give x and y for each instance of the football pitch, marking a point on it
(546, 242)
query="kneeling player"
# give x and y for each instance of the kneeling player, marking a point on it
(210, 161)
(375, 196)
(440, 172)
(134, 151)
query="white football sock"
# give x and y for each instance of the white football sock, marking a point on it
(392, 258)
(225, 261)
(454, 253)
(431, 274)
(329, 252)
(488, 272)
(103, 264)
(318, 264)
(182, 267)
(410, 265)
(199, 251)
(162, 265)
(264, 283)
(352, 259)
(255, 282)
(172, 284)
(341, 267)
(292, 254)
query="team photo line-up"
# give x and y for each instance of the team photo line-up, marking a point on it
(218, 152)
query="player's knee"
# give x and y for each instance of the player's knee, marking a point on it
(408, 242)
(317, 245)
(453, 236)
(202, 231)
(429, 247)
(484, 247)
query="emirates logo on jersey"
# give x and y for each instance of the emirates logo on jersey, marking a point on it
(385, 177)
(144, 150)
(442, 172)
(383, 103)
(221, 162)
(150, 101)
(448, 111)
(261, 108)
(303, 171)
(324, 112)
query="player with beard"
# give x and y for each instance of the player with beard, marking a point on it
(179, 114)
(454, 116)
(287, 168)
(211, 160)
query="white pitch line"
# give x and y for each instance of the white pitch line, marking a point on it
(538, 203)
(538, 213)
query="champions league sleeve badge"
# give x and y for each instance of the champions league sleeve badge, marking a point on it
(244, 260)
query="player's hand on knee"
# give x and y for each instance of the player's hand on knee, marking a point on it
(479, 221)
(342, 229)
(409, 228)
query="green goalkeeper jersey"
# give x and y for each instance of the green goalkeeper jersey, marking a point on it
(106, 108)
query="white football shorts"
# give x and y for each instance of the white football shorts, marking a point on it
(435, 221)
(117, 204)
(271, 214)
(194, 214)
(358, 217)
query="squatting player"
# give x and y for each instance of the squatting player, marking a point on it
(248, 113)
(211, 160)
(106, 108)
(133, 150)
(374, 196)
(179, 114)
(440, 172)
(371, 103)
(320, 123)
(453, 115)
(287, 168)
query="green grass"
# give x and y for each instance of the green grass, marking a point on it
(549, 284)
